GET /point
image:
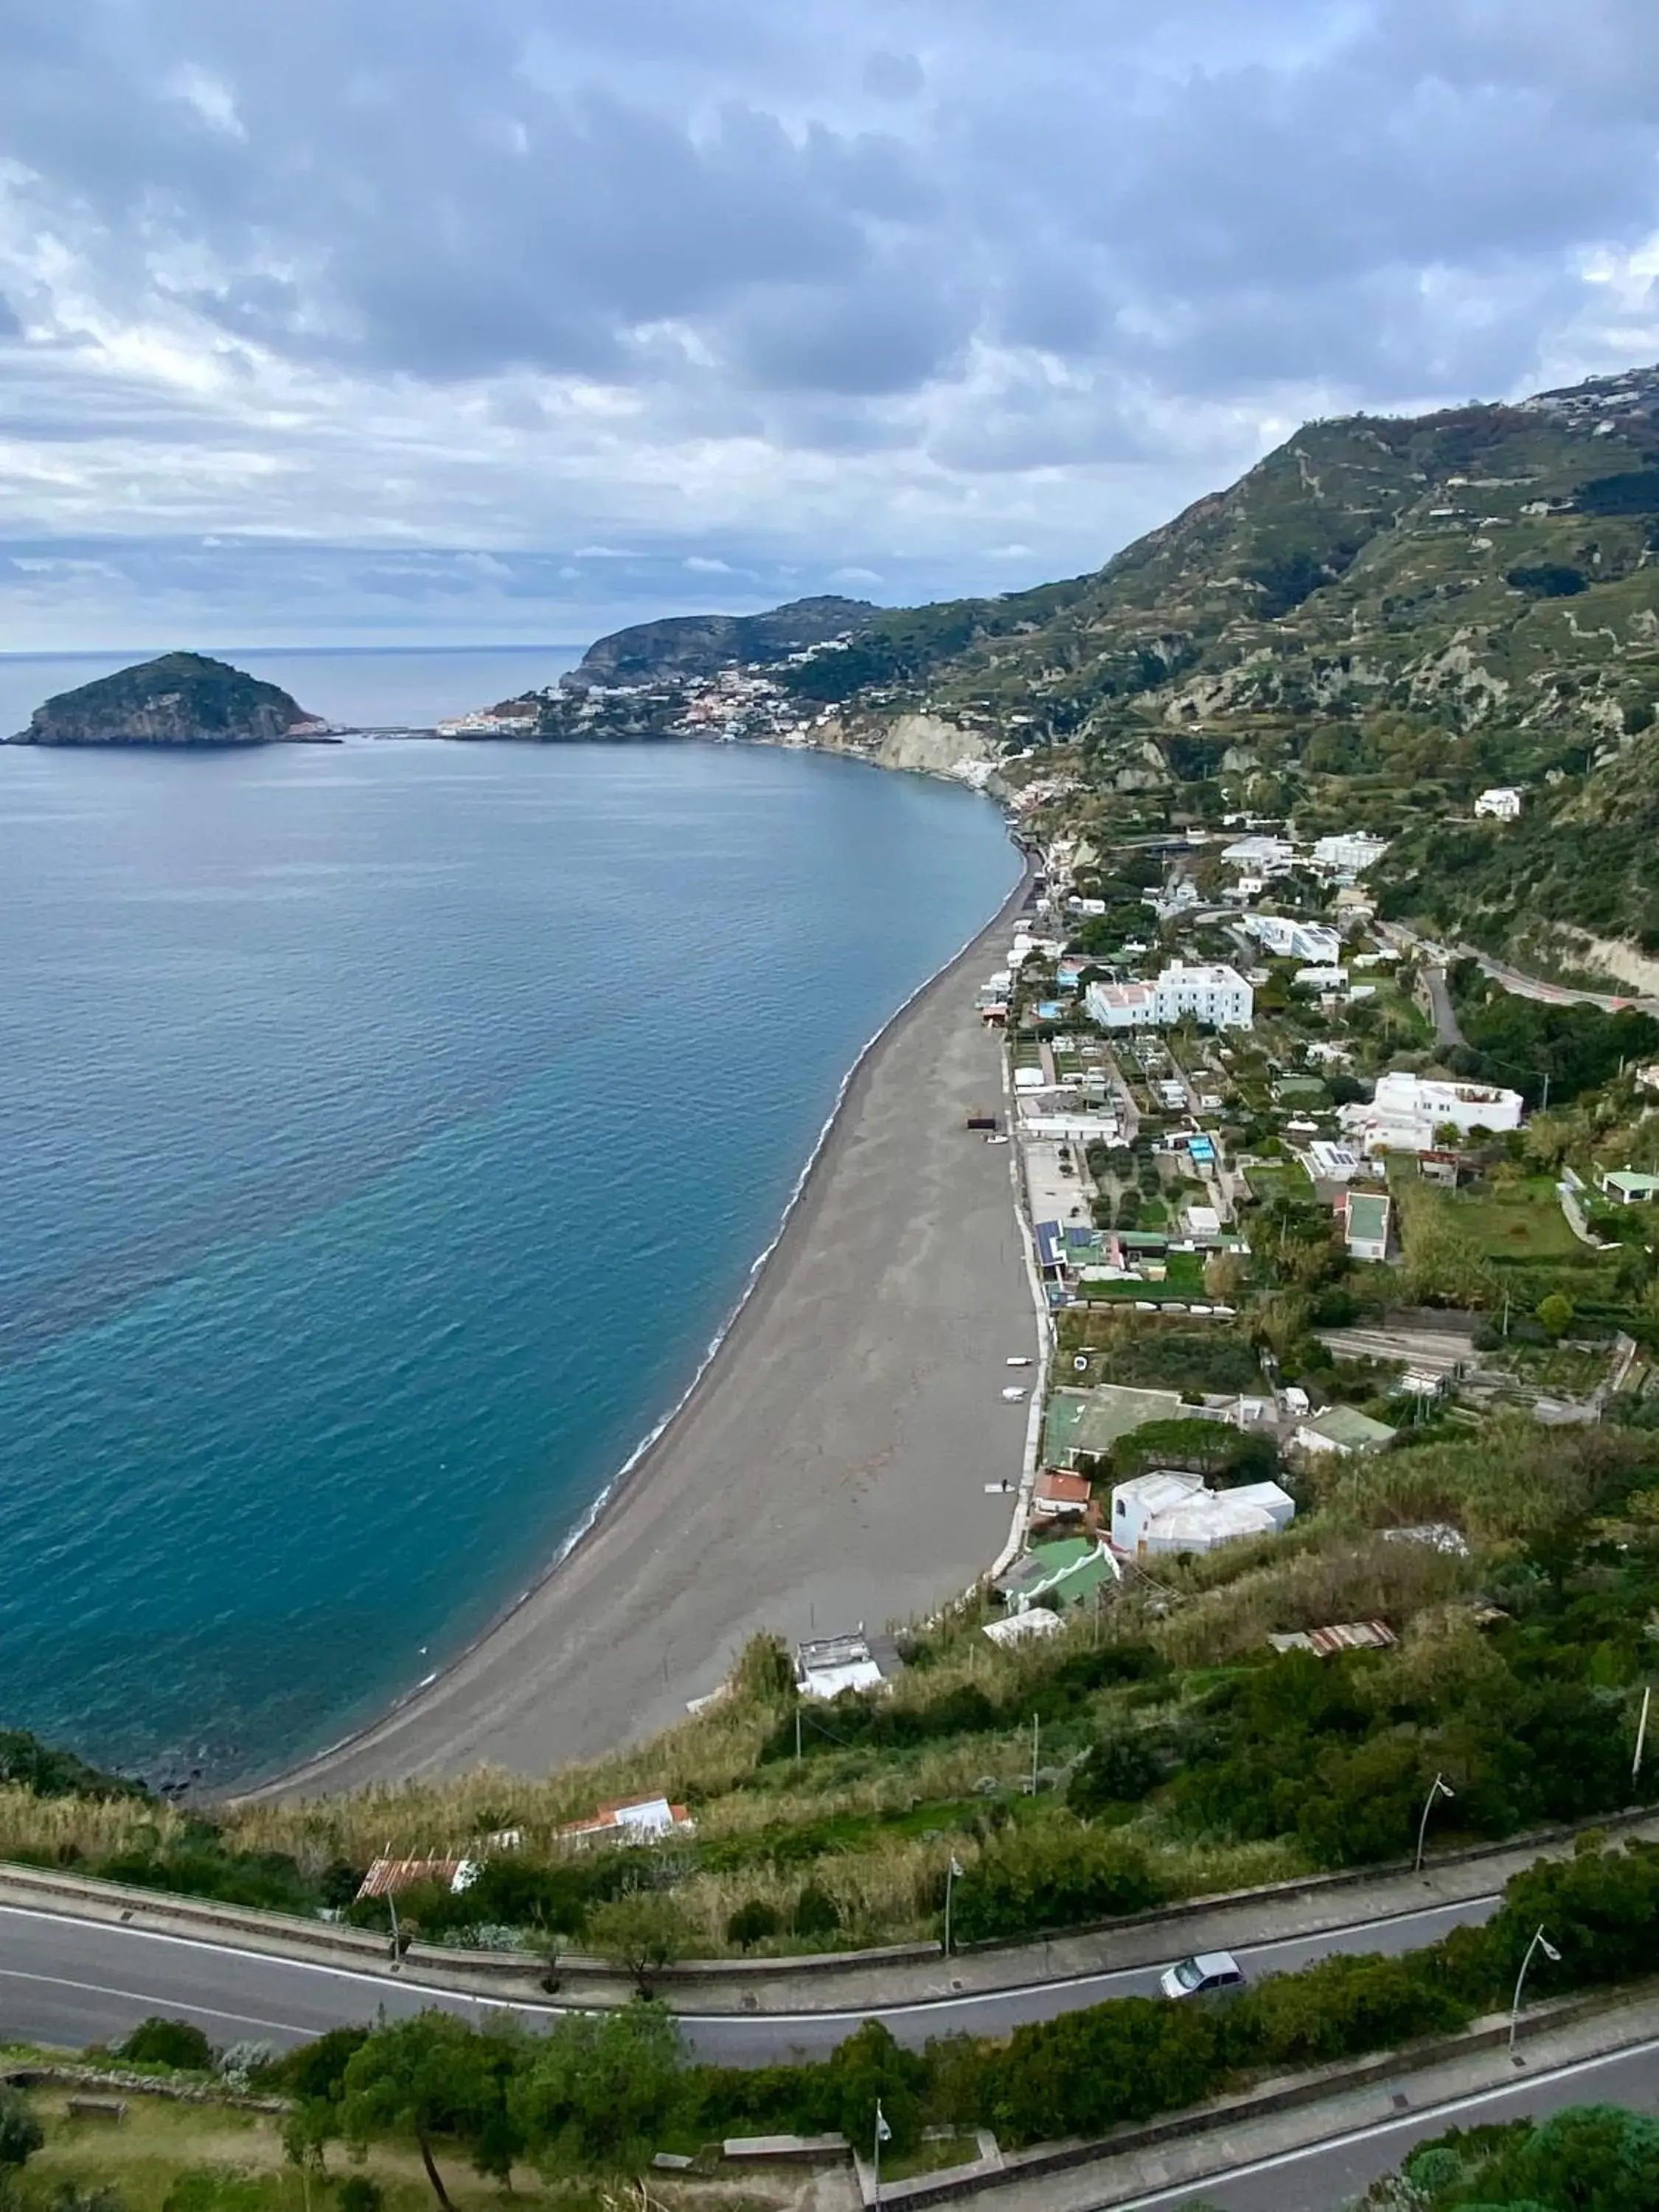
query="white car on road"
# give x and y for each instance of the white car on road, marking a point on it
(1207, 1973)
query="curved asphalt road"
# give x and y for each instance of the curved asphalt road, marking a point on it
(72, 1982)
(1323, 2176)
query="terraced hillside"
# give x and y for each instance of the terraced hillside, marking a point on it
(1458, 565)
(1380, 617)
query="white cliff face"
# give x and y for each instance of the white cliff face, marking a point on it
(926, 742)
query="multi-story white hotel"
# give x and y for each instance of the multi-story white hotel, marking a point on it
(1217, 996)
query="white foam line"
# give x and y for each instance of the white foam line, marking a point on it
(584, 1526)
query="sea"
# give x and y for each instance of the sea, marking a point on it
(386, 1130)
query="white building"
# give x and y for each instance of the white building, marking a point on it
(1120, 1006)
(629, 1820)
(1501, 803)
(827, 1665)
(1261, 856)
(1365, 1224)
(1329, 1163)
(1322, 979)
(1409, 1110)
(1169, 1511)
(1218, 996)
(1287, 938)
(1350, 853)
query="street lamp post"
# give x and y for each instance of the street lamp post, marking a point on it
(1641, 1736)
(1540, 1942)
(1438, 1788)
(952, 1875)
(884, 2134)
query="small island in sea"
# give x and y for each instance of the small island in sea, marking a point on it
(178, 699)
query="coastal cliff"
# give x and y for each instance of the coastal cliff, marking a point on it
(181, 699)
(926, 744)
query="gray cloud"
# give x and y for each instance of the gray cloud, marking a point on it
(847, 285)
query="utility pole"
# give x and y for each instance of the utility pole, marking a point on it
(797, 1732)
(884, 2134)
(1036, 1733)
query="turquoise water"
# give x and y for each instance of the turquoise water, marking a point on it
(385, 1130)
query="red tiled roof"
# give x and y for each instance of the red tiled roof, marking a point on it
(1056, 1487)
(388, 1876)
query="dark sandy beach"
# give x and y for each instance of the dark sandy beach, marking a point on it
(829, 1469)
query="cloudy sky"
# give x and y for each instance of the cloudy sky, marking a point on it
(335, 320)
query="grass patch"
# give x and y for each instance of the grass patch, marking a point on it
(1521, 1221)
(1183, 1279)
(144, 2157)
(931, 2155)
(1280, 1179)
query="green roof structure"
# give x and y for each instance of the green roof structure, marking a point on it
(1091, 1421)
(1344, 1429)
(1368, 1225)
(1070, 1571)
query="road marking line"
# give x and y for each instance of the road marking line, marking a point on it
(140, 1996)
(1377, 2128)
(857, 2014)
(1074, 1981)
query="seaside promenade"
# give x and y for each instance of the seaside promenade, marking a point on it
(831, 1467)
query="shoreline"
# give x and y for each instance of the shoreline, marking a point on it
(767, 1279)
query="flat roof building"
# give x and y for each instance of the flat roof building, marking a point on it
(827, 1665)
(1408, 1111)
(1218, 996)
(1343, 1429)
(1365, 1224)
(1350, 853)
(1287, 937)
(1626, 1186)
(1169, 1511)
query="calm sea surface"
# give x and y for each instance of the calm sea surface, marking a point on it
(385, 1130)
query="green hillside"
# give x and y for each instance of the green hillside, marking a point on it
(178, 699)
(1380, 618)
(1571, 887)
(1457, 567)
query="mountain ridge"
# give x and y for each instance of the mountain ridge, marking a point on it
(680, 646)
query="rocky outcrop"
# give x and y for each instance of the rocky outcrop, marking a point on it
(180, 699)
